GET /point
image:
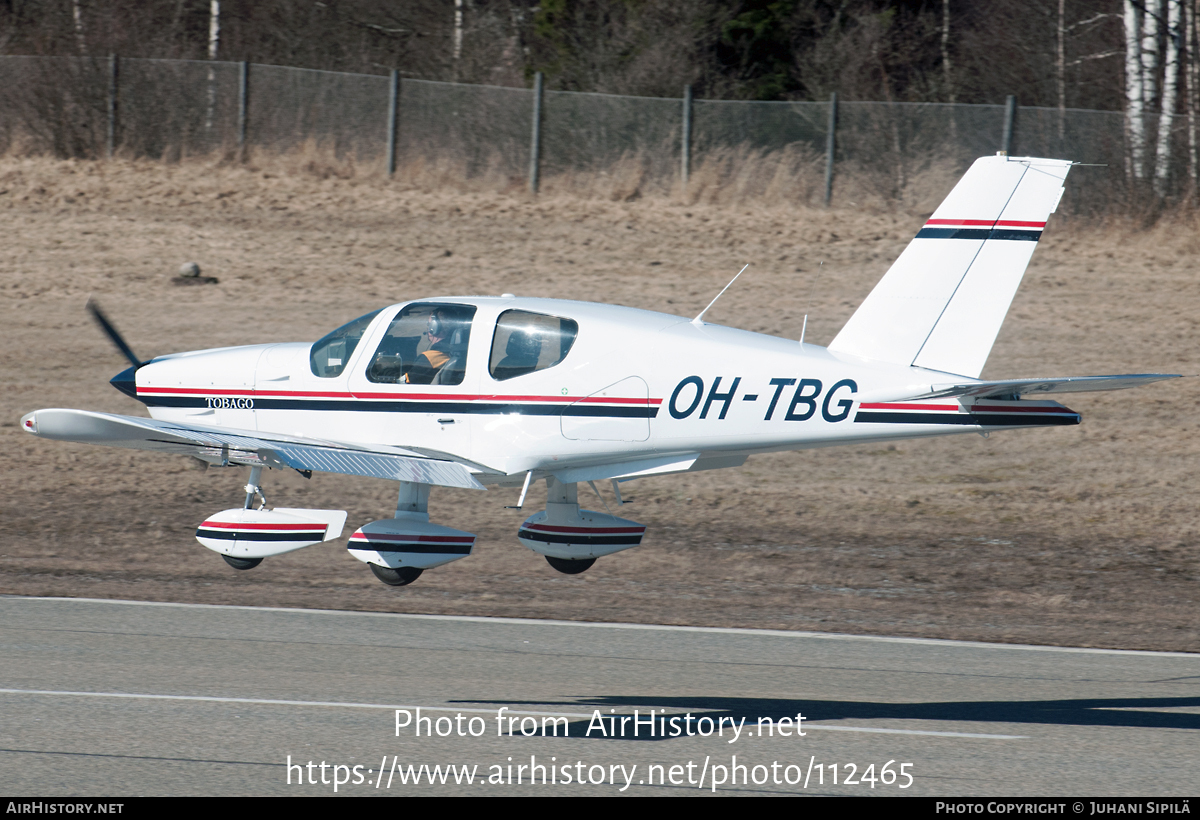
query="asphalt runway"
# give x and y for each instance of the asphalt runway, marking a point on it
(125, 698)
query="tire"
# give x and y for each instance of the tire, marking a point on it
(396, 577)
(242, 563)
(570, 566)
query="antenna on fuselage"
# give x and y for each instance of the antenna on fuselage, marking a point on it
(697, 321)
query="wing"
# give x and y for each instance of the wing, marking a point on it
(229, 446)
(1019, 387)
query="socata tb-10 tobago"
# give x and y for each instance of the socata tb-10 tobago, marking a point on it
(474, 391)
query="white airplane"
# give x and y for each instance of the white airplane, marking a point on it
(503, 391)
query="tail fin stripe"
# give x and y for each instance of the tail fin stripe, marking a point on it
(976, 233)
(989, 223)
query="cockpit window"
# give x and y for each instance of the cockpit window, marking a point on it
(329, 356)
(527, 342)
(425, 344)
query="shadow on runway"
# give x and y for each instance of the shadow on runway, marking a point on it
(1107, 712)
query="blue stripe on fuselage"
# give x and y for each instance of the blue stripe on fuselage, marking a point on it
(400, 406)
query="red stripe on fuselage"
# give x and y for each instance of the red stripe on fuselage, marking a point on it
(251, 393)
(194, 391)
(950, 408)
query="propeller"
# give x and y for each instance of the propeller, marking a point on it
(112, 333)
(126, 380)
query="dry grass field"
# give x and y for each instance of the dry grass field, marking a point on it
(1083, 536)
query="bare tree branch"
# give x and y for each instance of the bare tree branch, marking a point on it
(1093, 19)
(1096, 57)
(380, 29)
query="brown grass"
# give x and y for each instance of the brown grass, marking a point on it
(1085, 535)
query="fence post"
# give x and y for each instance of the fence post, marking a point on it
(392, 123)
(243, 105)
(830, 146)
(685, 149)
(1010, 118)
(535, 145)
(114, 65)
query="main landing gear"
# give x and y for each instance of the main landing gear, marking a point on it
(570, 566)
(572, 539)
(399, 549)
(396, 576)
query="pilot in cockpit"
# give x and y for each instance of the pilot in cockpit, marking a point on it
(438, 342)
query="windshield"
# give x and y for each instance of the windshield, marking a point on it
(329, 356)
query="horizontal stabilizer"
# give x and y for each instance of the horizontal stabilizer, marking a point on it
(1016, 387)
(219, 446)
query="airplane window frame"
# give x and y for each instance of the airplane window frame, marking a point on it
(451, 373)
(566, 333)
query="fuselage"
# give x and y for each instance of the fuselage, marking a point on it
(544, 384)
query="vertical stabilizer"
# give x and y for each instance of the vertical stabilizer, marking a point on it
(941, 304)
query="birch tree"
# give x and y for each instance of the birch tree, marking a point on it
(77, 18)
(1134, 91)
(946, 74)
(1061, 65)
(214, 42)
(1152, 14)
(458, 36)
(458, 28)
(1170, 85)
(1193, 86)
(946, 51)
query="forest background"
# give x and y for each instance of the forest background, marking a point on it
(1136, 56)
(1046, 53)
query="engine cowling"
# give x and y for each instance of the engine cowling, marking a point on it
(409, 541)
(244, 533)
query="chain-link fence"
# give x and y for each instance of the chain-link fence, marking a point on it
(620, 146)
(472, 131)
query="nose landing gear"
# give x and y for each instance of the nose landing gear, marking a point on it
(245, 536)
